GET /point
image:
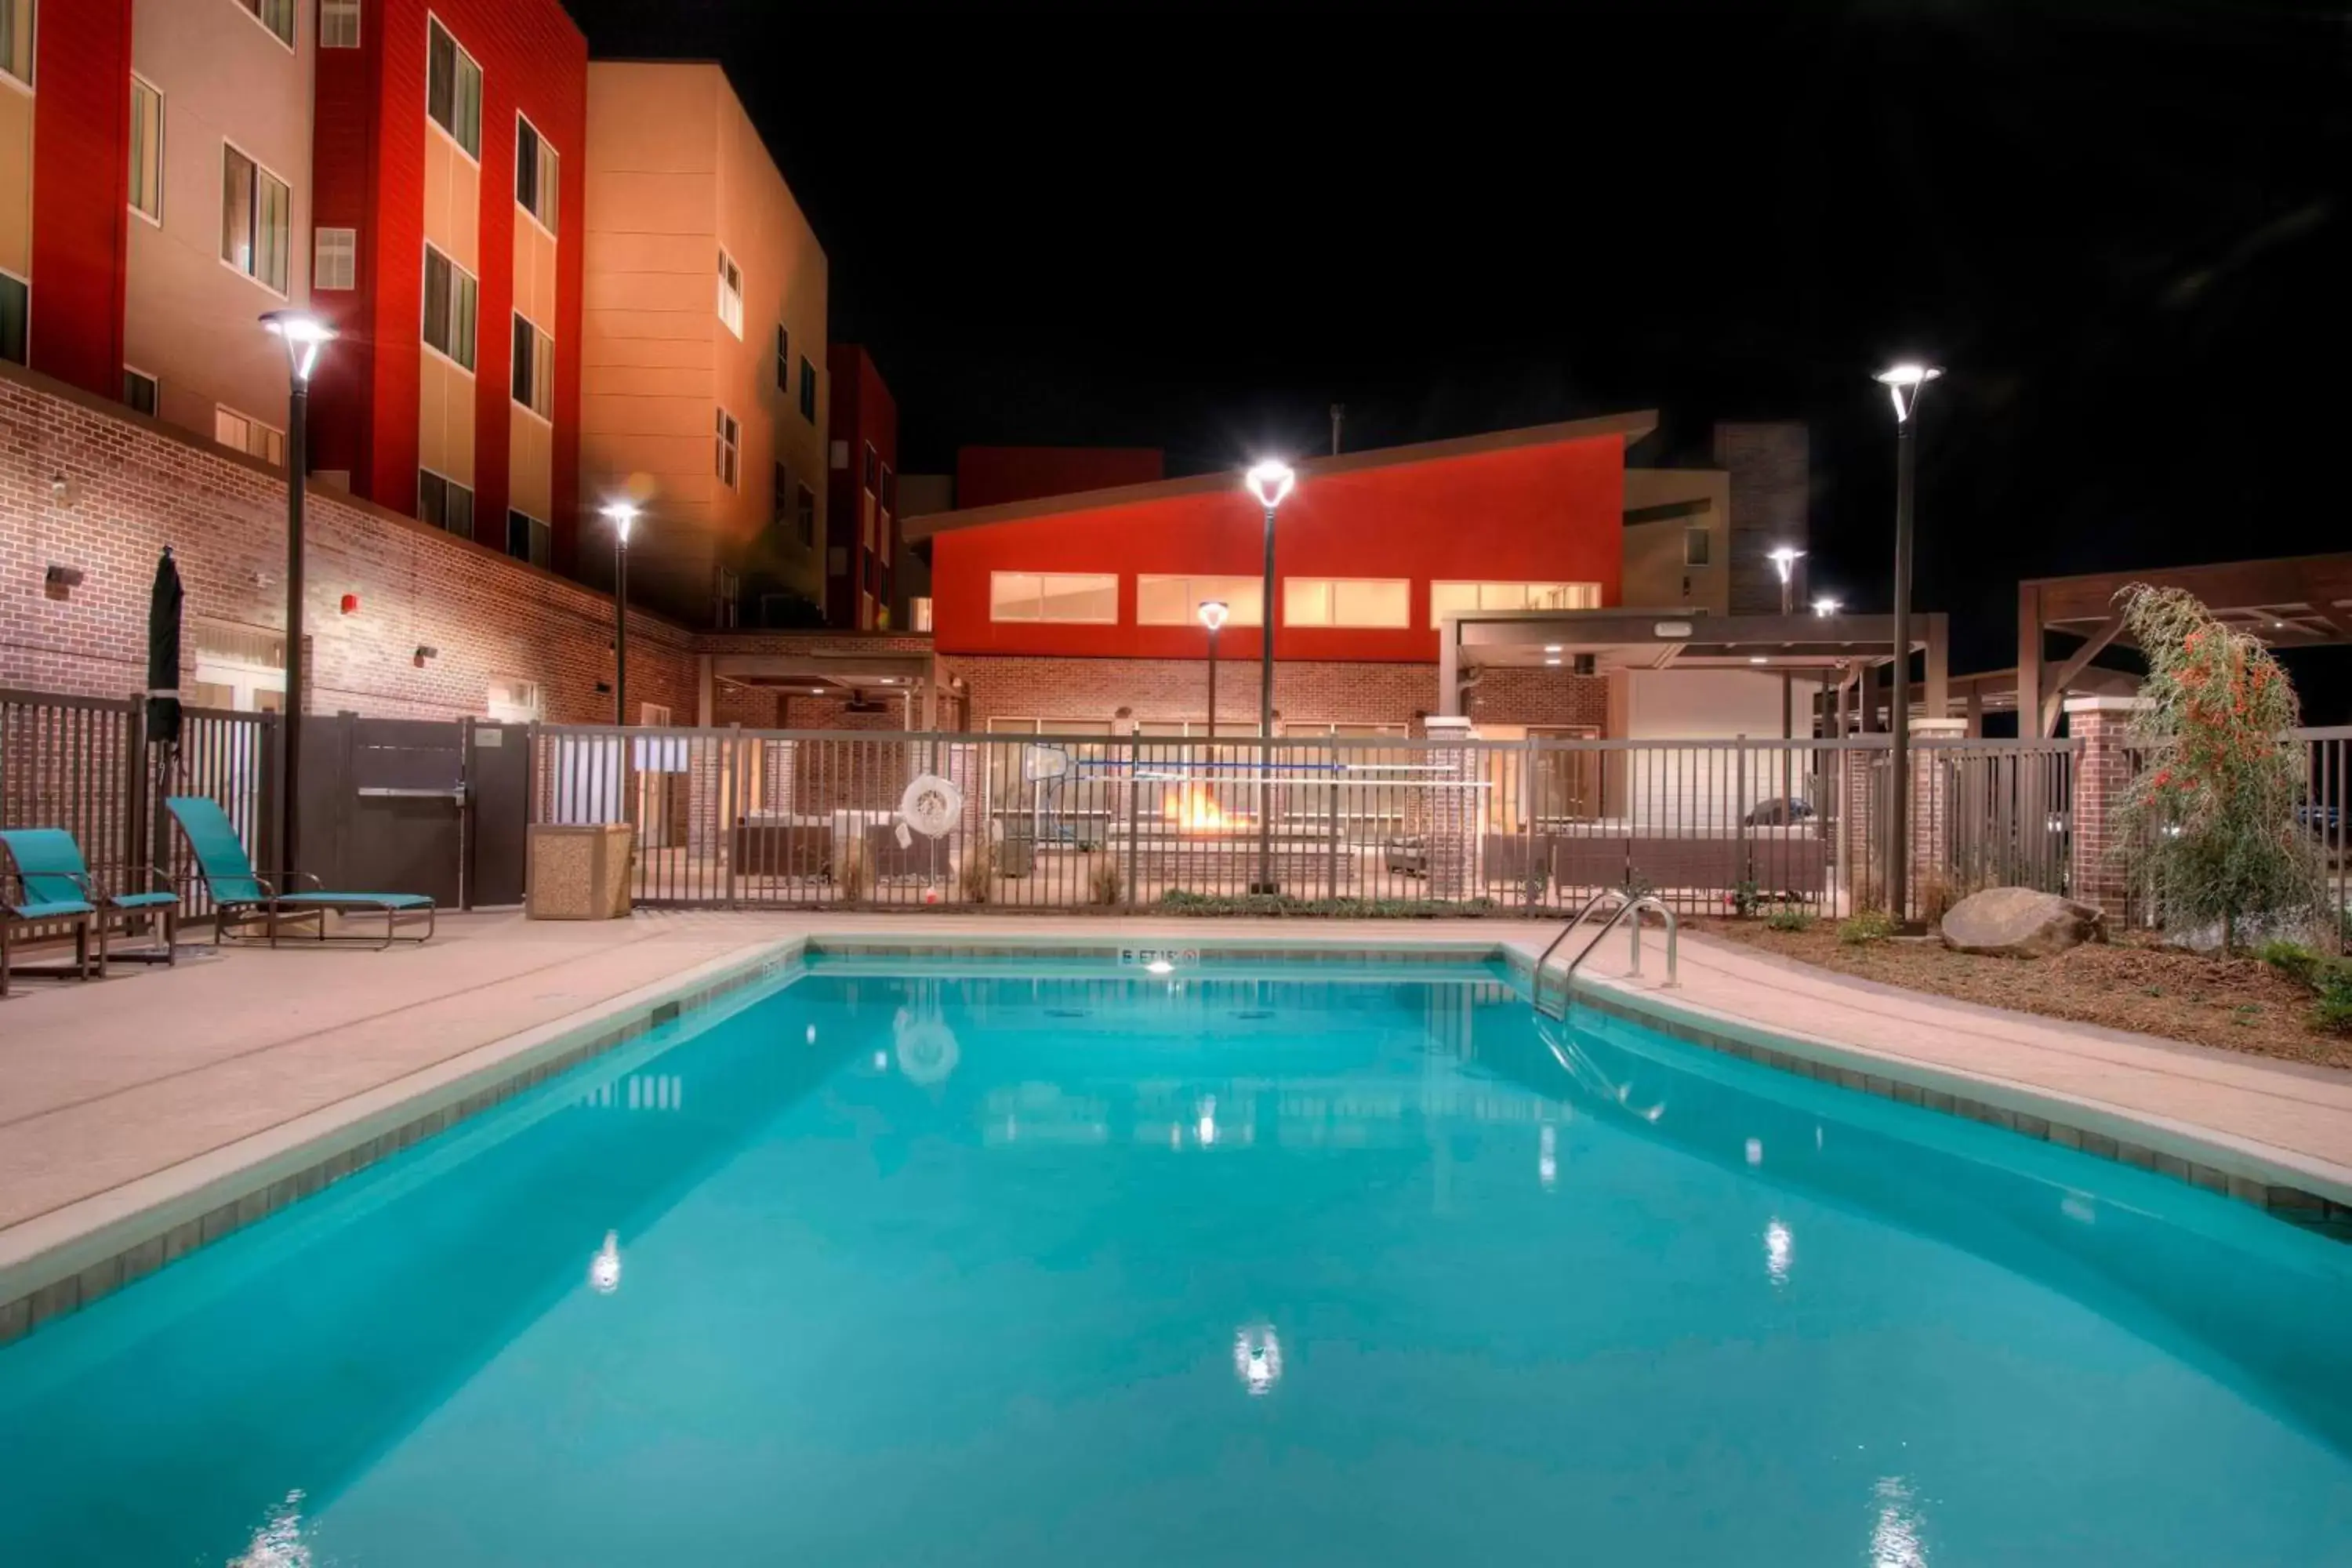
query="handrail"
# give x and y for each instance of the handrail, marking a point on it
(1627, 904)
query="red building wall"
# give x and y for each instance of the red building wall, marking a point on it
(995, 476)
(368, 173)
(863, 412)
(81, 196)
(1547, 513)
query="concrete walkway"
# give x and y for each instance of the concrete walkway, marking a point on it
(105, 1085)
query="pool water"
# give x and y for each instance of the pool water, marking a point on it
(1075, 1266)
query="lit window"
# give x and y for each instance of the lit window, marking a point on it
(1696, 545)
(277, 15)
(783, 360)
(140, 390)
(534, 368)
(1347, 602)
(335, 258)
(15, 317)
(1177, 601)
(537, 174)
(808, 403)
(1081, 597)
(1463, 598)
(731, 293)
(249, 435)
(527, 539)
(453, 89)
(256, 219)
(146, 151)
(339, 24)
(451, 299)
(444, 503)
(729, 449)
(16, 40)
(516, 703)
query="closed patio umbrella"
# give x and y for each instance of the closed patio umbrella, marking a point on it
(164, 652)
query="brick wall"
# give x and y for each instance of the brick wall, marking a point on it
(87, 485)
(1541, 697)
(1096, 688)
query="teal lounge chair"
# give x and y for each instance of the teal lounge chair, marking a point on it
(50, 871)
(42, 885)
(244, 898)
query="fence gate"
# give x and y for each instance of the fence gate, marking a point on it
(498, 808)
(383, 804)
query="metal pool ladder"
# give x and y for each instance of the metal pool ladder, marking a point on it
(1626, 905)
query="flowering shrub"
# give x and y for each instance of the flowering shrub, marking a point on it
(2213, 812)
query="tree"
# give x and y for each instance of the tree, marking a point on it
(2213, 811)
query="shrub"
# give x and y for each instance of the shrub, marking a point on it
(2292, 959)
(1744, 899)
(1790, 917)
(2212, 814)
(1865, 927)
(977, 875)
(1178, 901)
(854, 874)
(2333, 1011)
(1104, 883)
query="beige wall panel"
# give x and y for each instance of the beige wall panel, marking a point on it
(453, 201)
(658, 293)
(602, 349)
(690, 382)
(641, 252)
(649, 117)
(16, 182)
(673, 204)
(534, 273)
(445, 420)
(530, 466)
(648, 415)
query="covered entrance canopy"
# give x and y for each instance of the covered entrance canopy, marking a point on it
(908, 680)
(2303, 601)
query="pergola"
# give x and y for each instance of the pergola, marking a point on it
(2302, 601)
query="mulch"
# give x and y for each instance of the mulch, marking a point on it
(2234, 1004)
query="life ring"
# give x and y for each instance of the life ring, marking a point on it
(928, 1052)
(930, 805)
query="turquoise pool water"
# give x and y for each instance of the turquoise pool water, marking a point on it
(1021, 1267)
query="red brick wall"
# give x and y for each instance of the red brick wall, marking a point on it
(131, 486)
(1543, 697)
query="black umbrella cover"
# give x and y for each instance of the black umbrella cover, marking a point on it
(164, 651)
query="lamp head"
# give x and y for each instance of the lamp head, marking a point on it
(1212, 613)
(1903, 382)
(622, 516)
(1826, 606)
(1784, 557)
(304, 335)
(1270, 481)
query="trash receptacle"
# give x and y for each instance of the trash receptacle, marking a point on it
(579, 871)
(1016, 853)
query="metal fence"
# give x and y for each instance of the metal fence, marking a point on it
(83, 763)
(742, 818)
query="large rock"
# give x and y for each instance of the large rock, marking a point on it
(2019, 923)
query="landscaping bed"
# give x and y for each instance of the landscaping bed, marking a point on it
(2236, 1003)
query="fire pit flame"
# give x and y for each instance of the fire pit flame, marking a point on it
(1193, 807)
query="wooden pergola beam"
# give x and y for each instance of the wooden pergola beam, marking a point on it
(2054, 701)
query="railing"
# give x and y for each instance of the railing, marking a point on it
(84, 763)
(1627, 904)
(746, 819)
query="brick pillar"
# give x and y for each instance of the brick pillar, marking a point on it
(1930, 825)
(1451, 821)
(1861, 827)
(962, 768)
(2102, 771)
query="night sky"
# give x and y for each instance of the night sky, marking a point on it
(2122, 228)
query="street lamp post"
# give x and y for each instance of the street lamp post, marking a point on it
(304, 336)
(1904, 383)
(621, 516)
(1213, 613)
(1270, 481)
(1784, 559)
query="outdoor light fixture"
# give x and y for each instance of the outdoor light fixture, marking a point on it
(1784, 559)
(1270, 481)
(1756, 658)
(305, 336)
(1827, 607)
(1213, 614)
(1903, 382)
(622, 516)
(1553, 647)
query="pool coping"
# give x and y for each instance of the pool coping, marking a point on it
(59, 1261)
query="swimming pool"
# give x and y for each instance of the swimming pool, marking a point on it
(1058, 1262)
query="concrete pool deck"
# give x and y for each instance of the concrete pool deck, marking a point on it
(116, 1096)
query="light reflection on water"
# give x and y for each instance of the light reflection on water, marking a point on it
(279, 1542)
(1898, 1539)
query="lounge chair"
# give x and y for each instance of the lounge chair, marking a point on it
(34, 893)
(51, 869)
(242, 896)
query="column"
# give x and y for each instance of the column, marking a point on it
(1931, 806)
(1451, 822)
(2102, 773)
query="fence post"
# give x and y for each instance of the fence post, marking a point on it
(1451, 841)
(137, 798)
(1134, 814)
(1331, 817)
(2102, 771)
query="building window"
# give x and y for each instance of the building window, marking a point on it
(444, 503)
(249, 435)
(1089, 597)
(334, 258)
(527, 539)
(534, 368)
(783, 360)
(537, 174)
(918, 613)
(726, 599)
(146, 151)
(780, 503)
(1463, 598)
(729, 456)
(15, 317)
(1347, 602)
(1176, 600)
(277, 15)
(804, 514)
(140, 390)
(256, 219)
(514, 701)
(873, 470)
(453, 89)
(16, 40)
(731, 293)
(1696, 542)
(808, 401)
(339, 24)
(889, 489)
(451, 299)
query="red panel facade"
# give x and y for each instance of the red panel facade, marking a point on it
(863, 414)
(369, 174)
(81, 196)
(1538, 513)
(998, 476)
